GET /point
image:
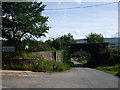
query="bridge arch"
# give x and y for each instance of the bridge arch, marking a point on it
(89, 47)
(93, 48)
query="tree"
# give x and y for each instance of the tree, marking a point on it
(57, 43)
(33, 45)
(63, 42)
(22, 20)
(94, 38)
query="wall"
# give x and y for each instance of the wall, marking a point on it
(21, 61)
(59, 56)
(50, 55)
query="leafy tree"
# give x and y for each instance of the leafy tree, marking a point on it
(94, 38)
(57, 44)
(63, 42)
(22, 20)
(33, 45)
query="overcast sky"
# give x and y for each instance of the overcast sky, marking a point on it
(82, 21)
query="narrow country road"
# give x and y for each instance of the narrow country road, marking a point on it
(77, 77)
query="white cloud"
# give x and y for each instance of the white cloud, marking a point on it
(81, 23)
(79, 1)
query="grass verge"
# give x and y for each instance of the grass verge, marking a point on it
(42, 66)
(49, 66)
(110, 69)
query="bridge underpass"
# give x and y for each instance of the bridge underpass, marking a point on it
(89, 48)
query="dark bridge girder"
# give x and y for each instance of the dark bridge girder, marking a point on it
(93, 48)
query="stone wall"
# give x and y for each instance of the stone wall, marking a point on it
(21, 61)
(50, 55)
(59, 56)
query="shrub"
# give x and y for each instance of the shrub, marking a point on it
(116, 56)
(71, 63)
(42, 66)
(106, 57)
(17, 67)
(50, 66)
(118, 74)
(110, 69)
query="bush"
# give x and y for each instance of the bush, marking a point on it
(42, 66)
(109, 69)
(45, 66)
(15, 58)
(118, 74)
(17, 67)
(18, 55)
(106, 57)
(111, 56)
(116, 56)
(71, 64)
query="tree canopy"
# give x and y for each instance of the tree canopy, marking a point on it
(94, 38)
(22, 20)
(63, 42)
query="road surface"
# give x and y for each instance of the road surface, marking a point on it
(80, 77)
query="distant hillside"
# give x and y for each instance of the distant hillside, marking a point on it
(113, 42)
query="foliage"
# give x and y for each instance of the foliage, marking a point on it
(35, 46)
(109, 69)
(83, 61)
(27, 55)
(116, 56)
(81, 55)
(106, 57)
(63, 42)
(42, 66)
(17, 67)
(51, 66)
(19, 55)
(47, 46)
(102, 58)
(110, 56)
(21, 20)
(71, 63)
(94, 38)
(10, 59)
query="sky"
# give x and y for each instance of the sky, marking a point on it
(81, 21)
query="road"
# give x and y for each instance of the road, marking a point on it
(77, 77)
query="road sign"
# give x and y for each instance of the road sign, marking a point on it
(8, 49)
